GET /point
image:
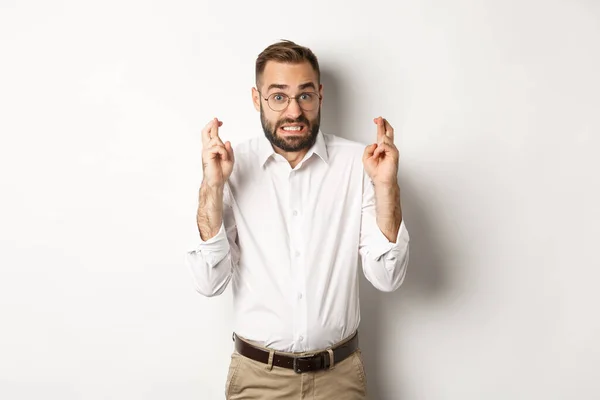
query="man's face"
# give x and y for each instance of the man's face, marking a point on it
(292, 129)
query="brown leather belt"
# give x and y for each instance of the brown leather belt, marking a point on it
(305, 363)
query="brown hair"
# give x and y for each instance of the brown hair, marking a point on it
(286, 51)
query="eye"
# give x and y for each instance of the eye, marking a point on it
(306, 96)
(279, 97)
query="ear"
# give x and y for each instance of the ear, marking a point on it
(256, 99)
(321, 94)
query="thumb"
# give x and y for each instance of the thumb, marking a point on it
(369, 150)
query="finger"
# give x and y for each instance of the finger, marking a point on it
(386, 139)
(380, 129)
(214, 129)
(369, 151)
(389, 131)
(216, 141)
(206, 134)
(229, 150)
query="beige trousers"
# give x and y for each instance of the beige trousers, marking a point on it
(252, 380)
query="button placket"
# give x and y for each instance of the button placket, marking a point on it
(297, 243)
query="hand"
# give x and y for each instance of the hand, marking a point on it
(217, 157)
(381, 159)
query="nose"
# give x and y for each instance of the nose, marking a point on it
(293, 110)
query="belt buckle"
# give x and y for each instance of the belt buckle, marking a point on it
(295, 362)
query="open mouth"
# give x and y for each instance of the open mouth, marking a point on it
(295, 129)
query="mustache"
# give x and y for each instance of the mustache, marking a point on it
(301, 119)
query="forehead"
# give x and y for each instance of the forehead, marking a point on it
(292, 75)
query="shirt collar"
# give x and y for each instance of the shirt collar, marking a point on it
(265, 149)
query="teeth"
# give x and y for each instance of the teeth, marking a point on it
(292, 128)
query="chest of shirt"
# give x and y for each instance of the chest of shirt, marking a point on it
(317, 198)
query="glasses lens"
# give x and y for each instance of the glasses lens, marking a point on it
(278, 101)
(308, 101)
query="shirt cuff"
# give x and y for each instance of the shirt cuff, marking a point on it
(214, 249)
(383, 246)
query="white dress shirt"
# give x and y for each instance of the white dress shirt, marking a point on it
(290, 244)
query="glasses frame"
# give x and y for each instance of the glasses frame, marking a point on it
(290, 98)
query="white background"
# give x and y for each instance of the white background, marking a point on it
(496, 106)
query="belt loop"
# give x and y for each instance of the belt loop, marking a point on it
(331, 360)
(269, 366)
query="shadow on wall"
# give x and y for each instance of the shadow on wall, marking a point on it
(334, 105)
(426, 279)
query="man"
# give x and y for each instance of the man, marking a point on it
(285, 221)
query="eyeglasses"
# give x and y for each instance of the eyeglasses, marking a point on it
(307, 101)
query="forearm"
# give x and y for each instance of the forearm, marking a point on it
(211, 262)
(388, 210)
(210, 211)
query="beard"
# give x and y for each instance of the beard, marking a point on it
(291, 143)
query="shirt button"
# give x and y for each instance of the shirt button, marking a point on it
(297, 254)
(300, 338)
(295, 213)
(299, 296)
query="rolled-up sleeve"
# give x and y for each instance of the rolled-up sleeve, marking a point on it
(384, 263)
(211, 262)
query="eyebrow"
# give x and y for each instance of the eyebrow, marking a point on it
(282, 87)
